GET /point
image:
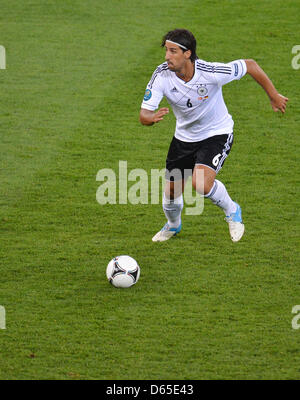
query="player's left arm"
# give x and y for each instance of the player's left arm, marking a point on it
(278, 102)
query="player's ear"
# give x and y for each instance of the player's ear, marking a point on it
(187, 54)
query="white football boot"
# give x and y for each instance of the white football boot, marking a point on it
(166, 233)
(236, 226)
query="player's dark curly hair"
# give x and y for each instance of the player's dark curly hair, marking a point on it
(184, 37)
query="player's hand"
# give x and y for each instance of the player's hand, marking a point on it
(159, 115)
(278, 103)
(148, 117)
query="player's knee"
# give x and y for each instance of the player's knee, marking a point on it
(203, 187)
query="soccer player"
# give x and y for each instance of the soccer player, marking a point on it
(204, 128)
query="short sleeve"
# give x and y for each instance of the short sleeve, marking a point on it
(225, 73)
(154, 93)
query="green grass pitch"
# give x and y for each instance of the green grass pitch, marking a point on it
(204, 307)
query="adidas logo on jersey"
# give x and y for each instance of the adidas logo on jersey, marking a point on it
(174, 90)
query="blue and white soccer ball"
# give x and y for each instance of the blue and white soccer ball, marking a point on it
(123, 271)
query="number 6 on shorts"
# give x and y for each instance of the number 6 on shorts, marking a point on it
(216, 160)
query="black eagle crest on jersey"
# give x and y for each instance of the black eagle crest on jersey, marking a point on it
(202, 90)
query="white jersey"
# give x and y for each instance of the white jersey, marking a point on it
(198, 105)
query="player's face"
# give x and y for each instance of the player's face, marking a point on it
(175, 57)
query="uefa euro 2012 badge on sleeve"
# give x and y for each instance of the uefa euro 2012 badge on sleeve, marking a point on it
(148, 94)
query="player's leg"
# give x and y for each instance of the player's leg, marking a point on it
(209, 161)
(173, 202)
(212, 188)
(219, 196)
(179, 166)
(172, 207)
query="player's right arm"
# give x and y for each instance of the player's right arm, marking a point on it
(148, 117)
(150, 114)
